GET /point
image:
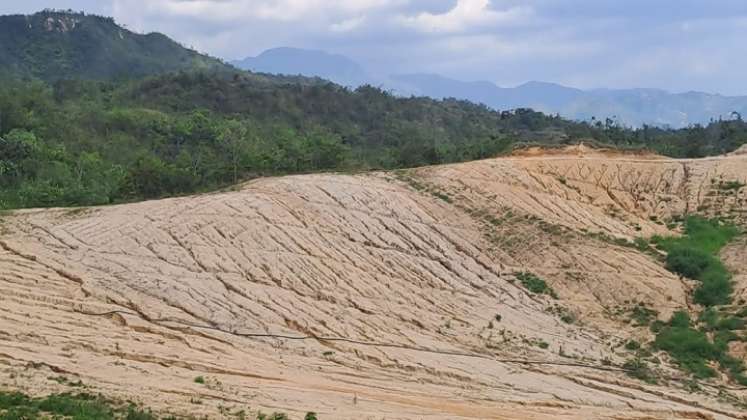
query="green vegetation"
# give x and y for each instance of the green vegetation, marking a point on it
(54, 45)
(632, 345)
(273, 416)
(698, 348)
(642, 315)
(200, 380)
(694, 255)
(82, 143)
(732, 186)
(638, 368)
(17, 406)
(693, 350)
(568, 318)
(535, 284)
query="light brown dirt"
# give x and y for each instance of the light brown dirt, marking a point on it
(421, 261)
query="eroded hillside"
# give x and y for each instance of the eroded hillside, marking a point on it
(409, 283)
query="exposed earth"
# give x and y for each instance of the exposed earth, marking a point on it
(416, 269)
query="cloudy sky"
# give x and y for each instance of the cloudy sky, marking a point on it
(678, 45)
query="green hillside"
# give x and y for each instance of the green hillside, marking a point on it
(91, 113)
(54, 45)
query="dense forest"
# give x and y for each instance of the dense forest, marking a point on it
(97, 142)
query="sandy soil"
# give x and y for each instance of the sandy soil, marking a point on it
(416, 267)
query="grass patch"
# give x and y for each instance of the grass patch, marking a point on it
(18, 406)
(731, 186)
(693, 350)
(535, 284)
(642, 315)
(690, 348)
(273, 416)
(694, 256)
(698, 347)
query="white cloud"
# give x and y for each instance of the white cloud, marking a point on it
(235, 10)
(466, 15)
(348, 25)
(676, 45)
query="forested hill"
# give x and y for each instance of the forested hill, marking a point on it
(95, 142)
(91, 113)
(54, 45)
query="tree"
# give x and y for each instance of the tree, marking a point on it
(234, 138)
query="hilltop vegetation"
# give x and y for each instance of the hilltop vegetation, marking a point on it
(84, 142)
(95, 142)
(54, 45)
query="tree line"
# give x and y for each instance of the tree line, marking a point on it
(77, 143)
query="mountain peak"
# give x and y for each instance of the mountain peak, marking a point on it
(315, 63)
(62, 44)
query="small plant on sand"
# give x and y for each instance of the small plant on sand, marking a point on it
(637, 368)
(535, 284)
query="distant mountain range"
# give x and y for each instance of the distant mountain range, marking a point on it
(633, 107)
(294, 61)
(53, 45)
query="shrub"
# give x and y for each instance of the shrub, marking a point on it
(638, 369)
(568, 318)
(732, 185)
(690, 348)
(642, 315)
(694, 256)
(688, 262)
(680, 319)
(657, 326)
(310, 416)
(632, 345)
(21, 413)
(80, 407)
(730, 324)
(200, 380)
(716, 287)
(13, 399)
(134, 413)
(535, 284)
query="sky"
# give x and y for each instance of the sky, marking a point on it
(676, 45)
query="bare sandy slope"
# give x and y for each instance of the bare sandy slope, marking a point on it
(418, 262)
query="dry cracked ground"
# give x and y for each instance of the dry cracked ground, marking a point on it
(415, 269)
